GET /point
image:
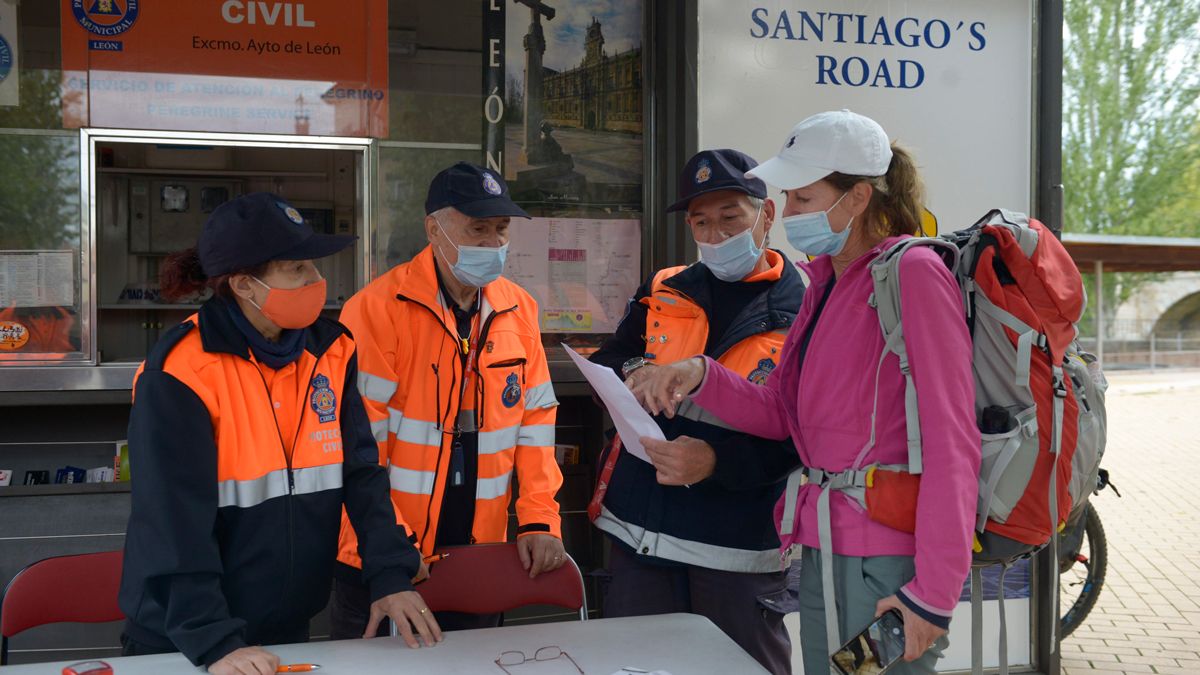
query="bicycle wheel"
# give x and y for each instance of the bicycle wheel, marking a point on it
(1081, 580)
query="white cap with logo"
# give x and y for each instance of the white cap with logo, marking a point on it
(835, 141)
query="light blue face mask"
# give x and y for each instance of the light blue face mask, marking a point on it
(811, 233)
(477, 266)
(734, 258)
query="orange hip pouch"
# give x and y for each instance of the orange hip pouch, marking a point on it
(892, 498)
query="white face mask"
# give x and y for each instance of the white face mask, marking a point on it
(734, 258)
(477, 266)
(812, 234)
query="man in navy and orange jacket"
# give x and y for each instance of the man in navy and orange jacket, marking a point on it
(694, 532)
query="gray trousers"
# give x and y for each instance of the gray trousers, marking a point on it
(860, 584)
(740, 604)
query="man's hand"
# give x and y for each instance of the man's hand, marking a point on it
(540, 553)
(246, 661)
(682, 461)
(640, 374)
(919, 634)
(407, 611)
(422, 574)
(662, 388)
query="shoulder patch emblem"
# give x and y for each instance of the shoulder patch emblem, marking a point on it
(512, 391)
(759, 374)
(323, 401)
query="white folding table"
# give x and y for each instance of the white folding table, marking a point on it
(682, 644)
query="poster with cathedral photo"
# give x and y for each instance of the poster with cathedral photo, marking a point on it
(572, 122)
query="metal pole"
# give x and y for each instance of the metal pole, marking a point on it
(1100, 311)
(1049, 203)
(1153, 360)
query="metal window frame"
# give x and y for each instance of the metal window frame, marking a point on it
(86, 353)
(88, 373)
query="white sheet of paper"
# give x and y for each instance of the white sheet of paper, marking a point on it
(631, 420)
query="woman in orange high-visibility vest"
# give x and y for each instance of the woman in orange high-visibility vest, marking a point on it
(247, 438)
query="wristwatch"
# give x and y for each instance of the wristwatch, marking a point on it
(631, 365)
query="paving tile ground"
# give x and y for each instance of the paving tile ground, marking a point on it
(1148, 617)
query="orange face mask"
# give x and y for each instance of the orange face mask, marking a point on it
(293, 307)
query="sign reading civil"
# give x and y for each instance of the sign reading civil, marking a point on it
(303, 68)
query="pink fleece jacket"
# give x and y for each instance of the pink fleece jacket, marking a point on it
(825, 406)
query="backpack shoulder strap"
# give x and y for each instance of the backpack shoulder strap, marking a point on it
(885, 298)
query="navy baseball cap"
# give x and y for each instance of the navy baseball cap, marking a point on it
(474, 190)
(252, 229)
(713, 170)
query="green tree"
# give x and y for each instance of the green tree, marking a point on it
(1131, 142)
(39, 174)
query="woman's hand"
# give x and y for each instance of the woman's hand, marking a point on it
(663, 388)
(919, 634)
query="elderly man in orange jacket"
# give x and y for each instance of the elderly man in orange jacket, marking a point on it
(455, 381)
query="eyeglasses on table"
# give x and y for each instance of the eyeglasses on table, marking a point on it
(511, 659)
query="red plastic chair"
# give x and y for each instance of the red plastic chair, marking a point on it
(79, 588)
(489, 579)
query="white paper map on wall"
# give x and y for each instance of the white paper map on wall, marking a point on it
(581, 271)
(37, 278)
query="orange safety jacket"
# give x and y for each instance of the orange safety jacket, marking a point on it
(677, 327)
(412, 381)
(240, 474)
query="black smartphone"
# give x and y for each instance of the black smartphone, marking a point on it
(874, 650)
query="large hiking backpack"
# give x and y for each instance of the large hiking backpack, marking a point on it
(1039, 398)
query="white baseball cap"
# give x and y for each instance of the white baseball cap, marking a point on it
(835, 141)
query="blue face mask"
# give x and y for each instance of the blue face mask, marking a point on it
(477, 266)
(734, 258)
(811, 233)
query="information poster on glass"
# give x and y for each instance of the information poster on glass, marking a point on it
(582, 272)
(37, 278)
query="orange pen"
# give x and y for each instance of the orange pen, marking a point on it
(297, 668)
(434, 558)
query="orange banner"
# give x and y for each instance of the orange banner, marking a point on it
(317, 67)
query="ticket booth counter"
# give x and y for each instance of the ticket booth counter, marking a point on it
(122, 134)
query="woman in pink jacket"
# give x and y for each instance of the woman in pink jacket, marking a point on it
(849, 195)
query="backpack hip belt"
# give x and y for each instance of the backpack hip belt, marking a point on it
(853, 483)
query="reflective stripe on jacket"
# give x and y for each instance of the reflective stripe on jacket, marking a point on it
(235, 519)
(411, 378)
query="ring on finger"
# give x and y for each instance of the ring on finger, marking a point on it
(424, 609)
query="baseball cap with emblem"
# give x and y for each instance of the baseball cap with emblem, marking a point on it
(836, 141)
(473, 190)
(259, 227)
(713, 170)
